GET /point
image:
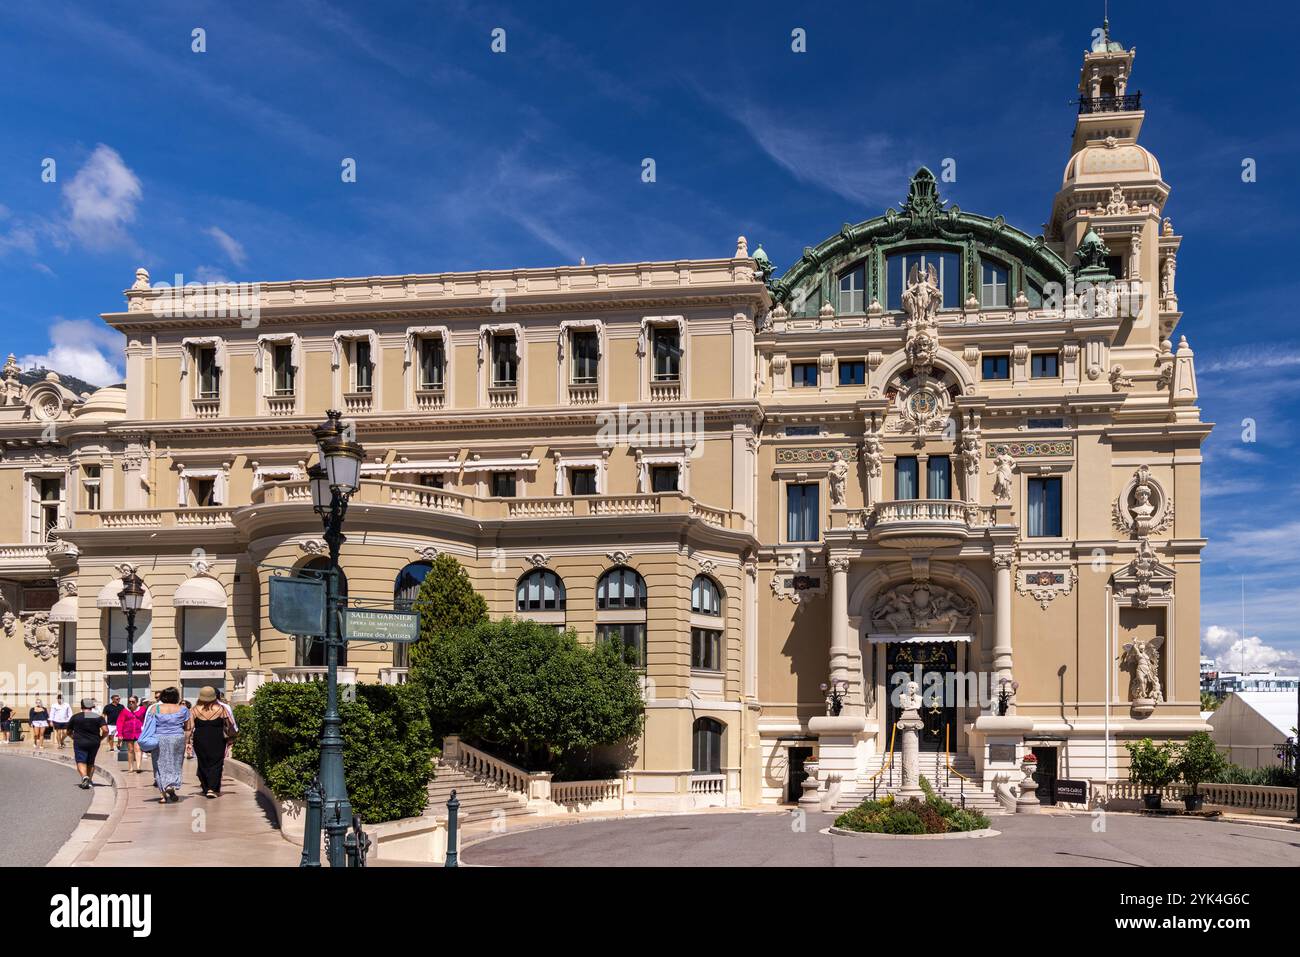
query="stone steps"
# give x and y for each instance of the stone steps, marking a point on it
(933, 769)
(478, 799)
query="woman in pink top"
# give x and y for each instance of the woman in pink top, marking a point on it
(129, 723)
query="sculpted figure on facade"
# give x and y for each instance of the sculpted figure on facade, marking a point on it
(1142, 659)
(970, 461)
(40, 637)
(920, 606)
(838, 477)
(8, 623)
(1003, 473)
(921, 300)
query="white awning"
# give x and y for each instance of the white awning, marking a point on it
(107, 597)
(64, 611)
(913, 638)
(406, 468)
(500, 465)
(199, 592)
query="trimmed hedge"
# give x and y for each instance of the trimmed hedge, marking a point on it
(387, 745)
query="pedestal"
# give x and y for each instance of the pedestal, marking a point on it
(910, 724)
(809, 800)
(1027, 802)
(838, 742)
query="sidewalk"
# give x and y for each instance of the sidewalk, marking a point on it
(232, 830)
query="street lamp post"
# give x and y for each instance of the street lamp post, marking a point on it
(333, 482)
(131, 598)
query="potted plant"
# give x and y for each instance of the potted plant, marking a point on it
(1199, 760)
(1151, 766)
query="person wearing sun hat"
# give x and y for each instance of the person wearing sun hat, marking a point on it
(212, 728)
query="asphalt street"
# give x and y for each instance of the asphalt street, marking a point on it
(768, 839)
(40, 806)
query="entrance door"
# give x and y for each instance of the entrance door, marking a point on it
(938, 658)
(1046, 774)
(795, 774)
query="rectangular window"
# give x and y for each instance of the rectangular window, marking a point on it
(803, 430)
(582, 481)
(1044, 365)
(853, 372)
(505, 361)
(663, 478)
(49, 493)
(706, 649)
(284, 370)
(209, 374)
(503, 484)
(631, 635)
(1045, 423)
(938, 477)
(995, 367)
(993, 286)
(803, 375)
(1044, 507)
(203, 491)
(946, 265)
(802, 512)
(91, 487)
(906, 477)
(667, 350)
(432, 361)
(431, 479)
(363, 370)
(586, 357)
(852, 287)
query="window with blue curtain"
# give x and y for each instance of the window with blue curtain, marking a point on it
(1044, 507)
(853, 372)
(802, 512)
(938, 477)
(946, 264)
(905, 477)
(803, 375)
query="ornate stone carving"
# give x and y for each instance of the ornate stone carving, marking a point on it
(872, 454)
(619, 557)
(8, 623)
(141, 279)
(920, 606)
(838, 564)
(40, 637)
(970, 456)
(314, 546)
(1118, 380)
(921, 300)
(200, 566)
(1003, 471)
(837, 478)
(1142, 660)
(67, 587)
(1117, 205)
(538, 560)
(925, 407)
(1044, 584)
(426, 553)
(1143, 507)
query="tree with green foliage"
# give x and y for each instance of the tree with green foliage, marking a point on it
(446, 603)
(1150, 764)
(1199, 760)
(1210, 701)
(532, 695)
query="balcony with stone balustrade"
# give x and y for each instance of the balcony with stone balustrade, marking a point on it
(920, 523)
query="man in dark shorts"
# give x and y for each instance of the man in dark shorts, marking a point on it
(87, 730)
(111, 711)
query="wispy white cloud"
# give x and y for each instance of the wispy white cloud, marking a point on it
(1247, 358)
(1276, 542)
(233, 248)
(210, 274)
(101, 199)
(83, 348)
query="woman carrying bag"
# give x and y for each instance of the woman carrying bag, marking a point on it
(211, 730)
(166, 735)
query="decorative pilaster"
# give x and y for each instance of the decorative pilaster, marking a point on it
(842, 654)
(1002, 661)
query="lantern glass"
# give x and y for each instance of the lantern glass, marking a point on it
(320, 487)
(343, 464)
(132, 594)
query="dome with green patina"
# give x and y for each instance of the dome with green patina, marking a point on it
(864, 266)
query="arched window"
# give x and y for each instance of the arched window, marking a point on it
(706, 598)
(540, 590)
(993, 285)
(852, 289)
(406, 587)
(947, 266)
(706, 746)
(620, 587)
(310, 650)
(620, 612)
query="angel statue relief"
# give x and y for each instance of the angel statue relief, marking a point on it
(1143, 660)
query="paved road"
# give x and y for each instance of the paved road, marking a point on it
(40, 806)
(767, 839)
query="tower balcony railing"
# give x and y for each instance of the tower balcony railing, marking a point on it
(1110, 104)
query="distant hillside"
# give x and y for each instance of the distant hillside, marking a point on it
(29, 376)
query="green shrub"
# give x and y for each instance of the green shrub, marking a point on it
(387, 745)
(964, 820)
(1272, 776)
(1150, 764)
(1199, 760)
(934, 815)
(245, 746)
(903, 821)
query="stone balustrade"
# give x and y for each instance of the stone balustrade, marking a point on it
(1256, 798)
(358, 403)
(206, 408)
(584, 394)
(710, 784)
(577, 793)
(302, 674)
(430, 400)
(394, 676)
(281, 405)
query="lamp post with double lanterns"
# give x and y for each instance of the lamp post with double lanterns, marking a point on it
(333, 481)
(131, 600)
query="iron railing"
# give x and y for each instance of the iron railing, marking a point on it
(1110, 104)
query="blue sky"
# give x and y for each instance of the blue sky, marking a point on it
(226, 164)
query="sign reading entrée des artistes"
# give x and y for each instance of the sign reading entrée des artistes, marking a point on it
(380, 624)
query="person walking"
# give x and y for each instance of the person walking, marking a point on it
(111, 711)
(6, 713)
(210, 730)
(173, 725)
(39, 719)
(60, 715)
(87, 730)
(129, 722)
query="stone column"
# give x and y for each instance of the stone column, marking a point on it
(842, 652)
(910, 724)
(1002, 620)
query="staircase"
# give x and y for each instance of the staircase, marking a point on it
(479, 799)
(934, 769)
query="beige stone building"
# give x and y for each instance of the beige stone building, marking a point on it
(935, 447)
